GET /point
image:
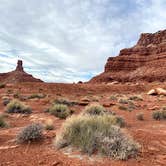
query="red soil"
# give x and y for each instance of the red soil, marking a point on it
(149, 133)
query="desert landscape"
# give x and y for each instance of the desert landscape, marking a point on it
(131, 92)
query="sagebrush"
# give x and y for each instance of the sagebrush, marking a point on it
(96, 134)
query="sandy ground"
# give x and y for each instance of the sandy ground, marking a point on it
(151, 134)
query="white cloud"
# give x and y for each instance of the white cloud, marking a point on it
(70, 40)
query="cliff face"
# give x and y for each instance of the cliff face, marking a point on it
(146, 61)
(18, 75)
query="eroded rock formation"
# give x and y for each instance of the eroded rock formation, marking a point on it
(18, 75)
(146, 61)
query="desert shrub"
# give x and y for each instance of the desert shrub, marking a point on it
(157, 115)
(113, 98)
(140, 116)
(16, 106)
(9, 91)
(122, 107)
(64, 102)
(136, 98)
(6, 100)
(164, 108)
(163, 114)
(96, 134)
(94, 109)
(2, 122)
(2, 85)
(131, 106)
(49, 125)
(39, 96)
(32, 132)
(120, 121)
(60, 110)
(123, 101)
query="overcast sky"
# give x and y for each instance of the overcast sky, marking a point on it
(70, 40)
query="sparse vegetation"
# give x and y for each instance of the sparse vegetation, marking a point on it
(94, 109)
(16, 95)
(15, 106)
(140, 116)
(6, 100)
(122, 107)
(60, 110)
(2, 85)
(113, 97)
(96, 133)
(38, 96)
(49, 125)
(136, 98)
(30, 133)
(64, 102)
(3, 123)
(159, 115)
(123, 101)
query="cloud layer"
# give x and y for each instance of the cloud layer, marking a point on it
(70, 40)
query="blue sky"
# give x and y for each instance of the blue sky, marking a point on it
(70, 40)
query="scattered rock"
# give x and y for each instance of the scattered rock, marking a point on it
(157, 91)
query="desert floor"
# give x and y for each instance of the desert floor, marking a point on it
(150, 134)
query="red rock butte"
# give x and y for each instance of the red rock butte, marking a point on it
(146, 61)
(18, 75)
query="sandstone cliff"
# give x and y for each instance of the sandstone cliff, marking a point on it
(146, 61)
(18, 75)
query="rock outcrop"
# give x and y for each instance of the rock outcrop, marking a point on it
(18, 75)
(146, 61)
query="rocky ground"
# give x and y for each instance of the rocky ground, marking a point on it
(151, 134)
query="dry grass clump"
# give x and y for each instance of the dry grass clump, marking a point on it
(6, 100)
(159, 115)
(94, 109)
(113, 97)
(96, 134)
(30, 133)
(136, 98)
(3, 123)
(15, 106)
(2, 85)
(49, 124)
(38, 96)
(64, 102)
(123, 101)
(140, 116)
(60, 110)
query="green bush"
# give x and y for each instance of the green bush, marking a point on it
(60, 110)
(96, 134)
(140, 116)
(32, 132)
(16, 106)
(2, 85)
(94, 109)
